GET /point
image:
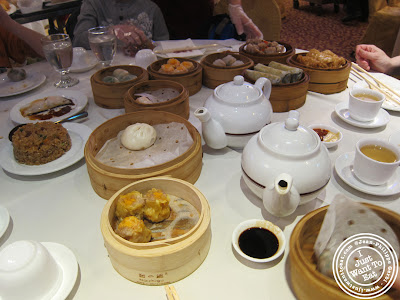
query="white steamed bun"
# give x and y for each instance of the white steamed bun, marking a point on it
(138, 136)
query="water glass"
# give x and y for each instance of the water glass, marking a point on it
(103, 43)
(57, 49)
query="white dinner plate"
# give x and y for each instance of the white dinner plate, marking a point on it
(395, 139)
(10, 88)
(381, 119)
(77, 97)
(4, 220)
(82, 60)
(79, 134)
(344, 168)
(68, 264)
(12, 9)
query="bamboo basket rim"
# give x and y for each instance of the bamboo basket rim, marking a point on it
(122, 172)
(293, 61)
(95, 78)
(304, 79)
(151, 67)
(204, 61)
(294, 243)
(157, 247)
(289, 50)
(129, 97)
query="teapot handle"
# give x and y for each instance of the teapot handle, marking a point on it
(265, 85)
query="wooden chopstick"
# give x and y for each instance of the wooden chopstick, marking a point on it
(185, 49)
(376, 84)
(171, 292)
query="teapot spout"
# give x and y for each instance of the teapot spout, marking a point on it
(213, 133)
(282, 198)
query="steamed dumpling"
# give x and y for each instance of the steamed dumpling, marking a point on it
(138, 136)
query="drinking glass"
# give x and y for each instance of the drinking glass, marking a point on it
(103, 43)
(57, 49)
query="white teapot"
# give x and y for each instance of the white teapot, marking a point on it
(286, 165)
(235, 112)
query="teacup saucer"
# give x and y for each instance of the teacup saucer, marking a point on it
(381, 119)
(344, 168)
(66, 260)
(4, 220)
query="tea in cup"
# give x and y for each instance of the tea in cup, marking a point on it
(364, 104)
(28, 271)
(375, 161)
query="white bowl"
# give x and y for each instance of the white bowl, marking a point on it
(259, 224)
(332, 129)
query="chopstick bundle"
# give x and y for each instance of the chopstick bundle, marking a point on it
(185, 49)
(171, 292)
(390, 94)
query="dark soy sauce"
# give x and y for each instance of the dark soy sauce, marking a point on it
(258, 242)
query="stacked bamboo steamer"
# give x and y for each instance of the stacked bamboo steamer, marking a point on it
(111, 95)
(324, 81)
(107, 180)
(308, 283)
(159, 262)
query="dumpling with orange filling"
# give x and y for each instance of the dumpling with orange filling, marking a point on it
(157, 206)
(131, 204)
(133, 230)
(174, 62)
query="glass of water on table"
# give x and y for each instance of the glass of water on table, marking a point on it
(103, 43)
(57, 49)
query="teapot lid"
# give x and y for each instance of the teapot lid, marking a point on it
(289, 138)
(238, 91)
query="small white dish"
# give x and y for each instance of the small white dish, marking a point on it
(344, 169)
(4, 220)
(10, 88)
(82, 60)
(77, 97)
(79, 134)
(395, 139)
(335, 131)
(259, 224)
(381, 119)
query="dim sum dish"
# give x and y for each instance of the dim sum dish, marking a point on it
(110, 84)
(328, 72)
(185, 71)
(261, 51)
(157, 230)
(222, 67)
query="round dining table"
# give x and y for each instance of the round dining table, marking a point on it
(61, 207)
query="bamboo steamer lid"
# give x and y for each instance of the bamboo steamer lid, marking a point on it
(111, 95)
(267, 58)
(307, 282)
(178, 105)
(159, 262)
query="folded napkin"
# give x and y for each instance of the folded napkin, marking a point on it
(181, 44)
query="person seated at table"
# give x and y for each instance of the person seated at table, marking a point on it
(17, 42)
(134, 21)
(191, 18)
(370, 57)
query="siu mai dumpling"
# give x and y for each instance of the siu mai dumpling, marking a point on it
(138, 136)
(131, 204)
(133, 230)
(157, 206)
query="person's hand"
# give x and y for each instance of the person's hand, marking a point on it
(130, 34)
(370, 57)
(243, 23)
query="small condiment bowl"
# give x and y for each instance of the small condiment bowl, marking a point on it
(263, 224)
(328, 144)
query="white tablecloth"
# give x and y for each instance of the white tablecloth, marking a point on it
(63, 208)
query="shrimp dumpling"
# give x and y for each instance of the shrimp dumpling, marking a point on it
(138, 136)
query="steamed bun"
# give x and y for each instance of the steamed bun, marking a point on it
(138, 136)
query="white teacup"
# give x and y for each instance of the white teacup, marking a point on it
(370, 170)
(28, 271)
(144, 58)
(364, 104)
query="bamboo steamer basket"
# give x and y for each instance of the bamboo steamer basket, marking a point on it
(289, 96)
(192, 80)
(267, 58)
(307, 282)
(324, 81)
(159, 262)
(178, 105)
(111, 95)
(107, 180)
(214, 76)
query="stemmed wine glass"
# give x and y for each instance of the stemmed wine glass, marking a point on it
(103, 43)
(57, 49)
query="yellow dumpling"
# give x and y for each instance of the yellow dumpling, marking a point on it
(131, 204)
(133, 230)
(157, 206)
(174, 62)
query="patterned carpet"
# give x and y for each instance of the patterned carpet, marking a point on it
(304, 29)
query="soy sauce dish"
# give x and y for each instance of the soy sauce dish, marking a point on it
(258, 241)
